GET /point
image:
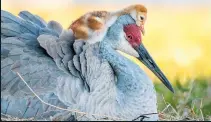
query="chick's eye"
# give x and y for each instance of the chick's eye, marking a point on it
(142, 18)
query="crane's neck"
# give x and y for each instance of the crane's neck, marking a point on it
(128, 82)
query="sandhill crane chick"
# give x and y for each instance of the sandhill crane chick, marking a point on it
(93, 26)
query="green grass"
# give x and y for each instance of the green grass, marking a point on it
(191, 101)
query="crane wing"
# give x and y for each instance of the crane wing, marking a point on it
(66, 72)
(42, 53)
(21, 52)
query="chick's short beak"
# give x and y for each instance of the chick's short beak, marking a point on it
(142, 29)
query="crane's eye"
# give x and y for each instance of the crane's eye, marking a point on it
(142, 18)
(129, 37)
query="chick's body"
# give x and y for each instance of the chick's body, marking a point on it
(84, 26)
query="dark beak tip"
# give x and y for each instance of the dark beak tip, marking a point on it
(172, 90)
(169, 86)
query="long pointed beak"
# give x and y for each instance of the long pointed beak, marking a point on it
(147, 60)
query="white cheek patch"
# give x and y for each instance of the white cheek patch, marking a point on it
(125, 46)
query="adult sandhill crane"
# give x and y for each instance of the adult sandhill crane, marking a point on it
(92, 78)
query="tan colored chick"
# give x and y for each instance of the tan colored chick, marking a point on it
(92, 26)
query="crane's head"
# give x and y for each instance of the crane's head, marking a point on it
(125, 35)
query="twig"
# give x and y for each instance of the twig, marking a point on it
(144, 116)
(169, 105)
(166, 108)
(201, 111)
